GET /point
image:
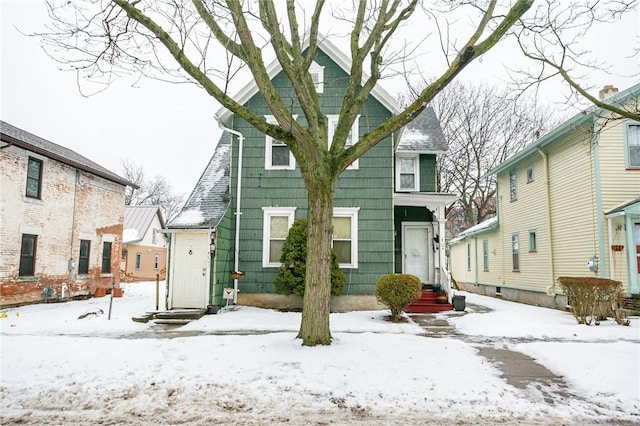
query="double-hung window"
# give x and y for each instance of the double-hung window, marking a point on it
(34, 178)
(513, 190)
(317, 75)
(278, 156)
(345, 236)
(156, 262)
(138, 261)
(332, 120)
(633, 145)
(83, 258)
(28, 255)
(106, 257)
(533, 242)
(485, 255)
(515, 252)
(407, 173)
(276, 224)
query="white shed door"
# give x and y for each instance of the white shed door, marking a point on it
(190, 285)
(415, 251)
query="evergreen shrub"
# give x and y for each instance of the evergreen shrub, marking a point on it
(594, 299)
(290, 278)
(396, 291)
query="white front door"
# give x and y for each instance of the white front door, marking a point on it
(416, 250)
(190, 264)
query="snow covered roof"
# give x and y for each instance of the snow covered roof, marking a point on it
(137, 220)
(209, 200)
(482, 226)
(423, 135)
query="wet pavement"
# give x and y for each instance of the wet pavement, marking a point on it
(517, 369)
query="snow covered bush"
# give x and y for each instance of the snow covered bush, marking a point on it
(290, 279)
(396, 291)
(594, 299)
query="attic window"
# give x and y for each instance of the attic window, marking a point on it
(317, 75)
(353, 136)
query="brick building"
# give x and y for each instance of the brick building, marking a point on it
(61, 221)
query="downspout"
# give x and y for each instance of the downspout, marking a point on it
(551, 289)
(599, 210)
(238, 213)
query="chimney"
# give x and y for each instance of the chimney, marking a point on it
(607, 91)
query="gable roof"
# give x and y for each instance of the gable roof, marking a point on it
(583, 118)
(15, 136)
(423, 135)
(137, 220)
(342, 60)
(210, 198)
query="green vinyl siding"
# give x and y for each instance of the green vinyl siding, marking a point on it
(427, 173)
(370, 188)
(223, 261)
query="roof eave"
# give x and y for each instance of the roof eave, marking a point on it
(25, 145)
(224, 115)
(548, 139)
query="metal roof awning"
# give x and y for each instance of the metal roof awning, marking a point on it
(621, 210)
(423, 199)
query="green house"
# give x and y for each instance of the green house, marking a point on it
(387, 217)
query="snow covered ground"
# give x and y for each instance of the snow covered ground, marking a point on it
(246, 367)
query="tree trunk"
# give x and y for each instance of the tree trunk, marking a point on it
(314, 328)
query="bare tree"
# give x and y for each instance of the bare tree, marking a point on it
(483, 127)
(103, 38)
(156, 191)
(551, 36)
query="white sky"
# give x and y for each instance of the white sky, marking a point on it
(169, 129)
(58, 369)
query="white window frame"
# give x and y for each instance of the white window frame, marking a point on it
(267, 214)
(268, 153)
(416, 168)
(351, 212)
(317, 71)
(332, 122)
(156, 262)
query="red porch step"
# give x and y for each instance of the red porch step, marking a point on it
(427, 304)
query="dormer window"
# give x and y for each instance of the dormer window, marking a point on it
(317, 75)
(407, 173)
